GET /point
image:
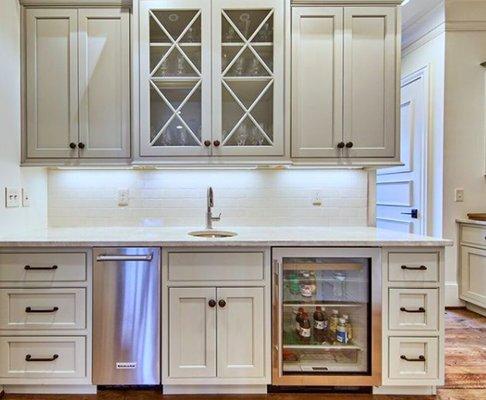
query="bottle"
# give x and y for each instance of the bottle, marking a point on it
(333, 324)
(294, 285)
(349, 327)
(306, 285)
(313, 282)
(305, 329)
(320, 325)
(298, 319)
(341, 333)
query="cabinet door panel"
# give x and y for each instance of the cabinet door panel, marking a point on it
(104, 83)
(370, 70)
(317, 72)
(175, 84)
(241, 346)
(473, 275)
(192, 333)
(52, 82)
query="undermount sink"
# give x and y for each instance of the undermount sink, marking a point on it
(213, 234)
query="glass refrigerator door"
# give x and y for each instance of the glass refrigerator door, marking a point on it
(325, 315)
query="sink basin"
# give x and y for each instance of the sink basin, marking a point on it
(213, 234)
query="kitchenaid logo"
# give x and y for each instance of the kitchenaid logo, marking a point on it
(126, 365)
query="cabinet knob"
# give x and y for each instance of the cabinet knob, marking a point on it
(349, 145)
(81, 145)
(211, 303)
(222, 303)
(340, 145)
(72, 145)
(207, 143)
(216, 143)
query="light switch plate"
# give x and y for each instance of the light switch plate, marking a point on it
(25, 198)
(123, 197)
(12, 197)
(459, 195)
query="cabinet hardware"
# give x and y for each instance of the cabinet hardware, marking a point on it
(222, 303)
(207, 143)
(413, 213)
(29, 268)
(44, 310)
(216, 143)
(211, 303)
(349, 145)
(81, 145)
(340, 145)
(421, 268)
(418, 310)
(419, 359)
(29, 358)
(72, 145)
(115, 257)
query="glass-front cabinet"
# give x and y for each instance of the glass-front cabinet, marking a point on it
(326, 314)
(211, 78)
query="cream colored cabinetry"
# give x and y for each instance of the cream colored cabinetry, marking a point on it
(345, 69)
(413, 321)
(77, 86)
(216, 329)
(45, 317)
(472, 259)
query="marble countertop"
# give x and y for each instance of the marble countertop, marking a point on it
(247, 236)
(471, 221)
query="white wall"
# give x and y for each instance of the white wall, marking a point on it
(34, 180)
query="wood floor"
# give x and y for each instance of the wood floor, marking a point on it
(465, 372)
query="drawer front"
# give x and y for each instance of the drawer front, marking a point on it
(46, 357)
(473, 235)
(414, 309)
(212, 266)
(31, 309)
(413, 267)
(43, 267)
(413, 358)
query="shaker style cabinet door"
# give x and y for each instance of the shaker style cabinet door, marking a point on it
(247, 64)
(317, 80)
(473, 275)
(175, 78)
(370, 81)
(51, 60)
(104, 83)
(241, 343)
(192, 332)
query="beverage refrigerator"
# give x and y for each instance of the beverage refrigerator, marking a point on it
(326, 316)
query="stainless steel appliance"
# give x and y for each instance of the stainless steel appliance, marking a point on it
(126, 316)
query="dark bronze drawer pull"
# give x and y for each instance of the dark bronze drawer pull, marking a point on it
(29, 268)
(418, 310)
(421, 268)
(29, 358)
(45, 310)
(420, 359)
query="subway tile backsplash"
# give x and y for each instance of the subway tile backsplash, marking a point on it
(78, 198)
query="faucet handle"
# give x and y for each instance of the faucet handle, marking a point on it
(218, 218)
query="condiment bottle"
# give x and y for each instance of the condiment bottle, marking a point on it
(298, 319)
(333, 324)
(305, 329)
(306, 285)
(349, 327)
(341, 334)
(320, 325)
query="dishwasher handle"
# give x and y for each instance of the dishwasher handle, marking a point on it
(125, 257)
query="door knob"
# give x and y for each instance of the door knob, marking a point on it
(81, 145)
(340, 145)
(207, 143)
(216, 143)
(349, 145)
(72, 145)
(413, 213)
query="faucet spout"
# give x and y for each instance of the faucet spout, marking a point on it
(209, 213)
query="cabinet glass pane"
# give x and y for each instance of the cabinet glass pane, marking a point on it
(325, 315)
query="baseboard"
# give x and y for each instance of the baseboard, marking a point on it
(214, 389)
(405, 390)
(477, 309)
(50, 389)
(452, 295)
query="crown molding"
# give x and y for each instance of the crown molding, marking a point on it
(426, 27)
(75, 3)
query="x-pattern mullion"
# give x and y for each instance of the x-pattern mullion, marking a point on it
(175, 112)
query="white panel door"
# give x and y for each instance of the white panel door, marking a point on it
(399, 194)
(248, 77)
(175, 78)
(317, 81)
(51, 61)
(370, 69)
(241, 344)
(192, 333)
(104, 83)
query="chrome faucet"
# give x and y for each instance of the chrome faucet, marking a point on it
(209, 213)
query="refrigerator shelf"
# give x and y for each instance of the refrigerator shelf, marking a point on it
(314, 303)
(351, 346)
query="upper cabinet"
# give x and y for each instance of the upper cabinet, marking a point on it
(345, 70)
(211, 78)
(77, 88)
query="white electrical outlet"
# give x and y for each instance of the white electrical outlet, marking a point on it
(459, 195)
(123, 197)
(25, 198)
(12, 197)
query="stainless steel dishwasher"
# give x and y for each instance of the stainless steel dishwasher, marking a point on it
(126, 316)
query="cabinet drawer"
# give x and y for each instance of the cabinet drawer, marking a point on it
(413, 309)
(212, 266)
(62, 357)
(413, 358)
(413, 267)
(42, 267)
(31, 309)
(473, 235)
